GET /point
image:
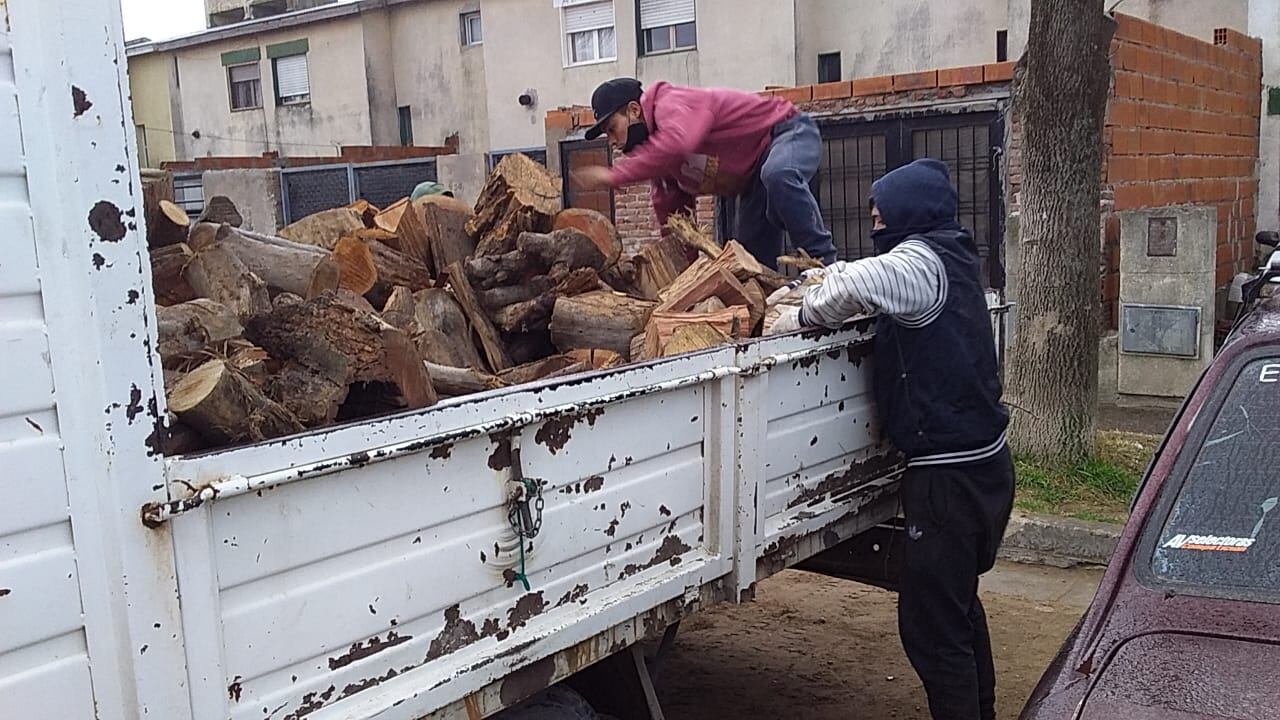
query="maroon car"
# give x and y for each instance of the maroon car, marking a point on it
(1186, 623)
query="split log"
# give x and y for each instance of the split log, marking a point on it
(345, 345)
(313, 398)
(254, 363)
(226, 408)
(732, 322)
(203, 234)
(389, 217)
(415, 239)
(216, 273)
(573, 369)
(598, 359)
(520, 196)
(391, 240)
(600, 319)
(167, 264)
(357, 270)
(710, 305)
(444, 336)
(220, 210)
(400, 310)
(702, 281)
(324, 229)
(537, 370)
(658, 265)
(528, 316)
(595, 226)
(621, 277)
(169, 226)
(193, 326)
(286, 266)
(455, 381)
(687, 232)
(693, 338)
(368, 211)
(445, 221)
(495, 356)
(638, 353)
(354, 301)
(394, 269)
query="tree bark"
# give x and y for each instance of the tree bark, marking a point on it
(169, 225)
(520, 196)
(285, 266)
(1060, 98)
(495, 355)
(444, 337)
(455, 381)
(395, 269)
(167, 264)
(595, 226)
(190, 327)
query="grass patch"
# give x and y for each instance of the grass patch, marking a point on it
(1098, 489)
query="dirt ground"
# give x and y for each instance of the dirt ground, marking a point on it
(817, 648)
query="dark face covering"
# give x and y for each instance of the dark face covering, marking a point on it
(637, 134)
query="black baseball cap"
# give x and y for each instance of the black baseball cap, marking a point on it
(609, 98)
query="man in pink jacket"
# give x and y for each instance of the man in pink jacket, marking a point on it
(708, 141)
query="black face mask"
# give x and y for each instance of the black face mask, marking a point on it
(637, 134)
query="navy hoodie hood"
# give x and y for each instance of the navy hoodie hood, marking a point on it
(913, 200)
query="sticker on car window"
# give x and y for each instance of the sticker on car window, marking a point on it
(1209, 543)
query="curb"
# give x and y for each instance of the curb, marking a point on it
(1057, 541)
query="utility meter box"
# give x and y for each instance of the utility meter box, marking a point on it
(1167, 269)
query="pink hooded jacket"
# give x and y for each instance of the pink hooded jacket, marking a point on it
(702, 141)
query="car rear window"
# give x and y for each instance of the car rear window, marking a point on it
(1223, 531)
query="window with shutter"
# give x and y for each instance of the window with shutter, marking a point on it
(245, 86)
(589, 32)
(667, 26)
(292, 82)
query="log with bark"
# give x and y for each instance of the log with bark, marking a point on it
(600, 319)
(455, 381)
(217, 273)
(538, 369)
(344, 345)
(291, 267)
(445, 223)
(192, 327)
(444, 335)
(311, 396)
(495, 355)
(226, 408)
(395, 269)
(167, 264)
(400, 310)
(520, 196)
(555, 255)
(324, 229)
(169, 225)
(595, 226)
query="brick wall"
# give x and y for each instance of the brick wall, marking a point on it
(1182, 128)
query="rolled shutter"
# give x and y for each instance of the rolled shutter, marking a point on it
(588, 16)
(291, 76)
(661, 13)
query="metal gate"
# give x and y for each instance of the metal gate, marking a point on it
(309, 190)
(856, 153)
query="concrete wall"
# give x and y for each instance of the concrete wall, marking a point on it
(897, 37)
(1264, 22)
(256, 194)
(443, 82)
(464, 175)
(380, 75)
(338, 113)
(149, 84)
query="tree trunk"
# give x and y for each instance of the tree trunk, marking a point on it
(309, 395)
(595, 226)
(520, 196)
(191, 327)
(395, 269)
(602, 319)
(455, 381)
(1060, 100)
(285, 266)
(167, 264)
(169, 226)
(226, 408)
(216, 273)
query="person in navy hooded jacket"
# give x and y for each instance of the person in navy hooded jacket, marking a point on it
(938, 391)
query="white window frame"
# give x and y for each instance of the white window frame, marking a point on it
(231, 93)
(280, 97)
(566, 41)
(671, 33)
(469, 40)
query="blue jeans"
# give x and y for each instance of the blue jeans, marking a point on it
(780, 199)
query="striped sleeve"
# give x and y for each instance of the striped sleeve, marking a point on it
(907, 283)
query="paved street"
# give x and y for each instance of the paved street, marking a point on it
(816, 648)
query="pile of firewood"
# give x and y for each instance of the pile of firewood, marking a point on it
(360, 311)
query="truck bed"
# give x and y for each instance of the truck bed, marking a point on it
(371, 570)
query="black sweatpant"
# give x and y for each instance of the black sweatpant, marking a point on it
(956, 517)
